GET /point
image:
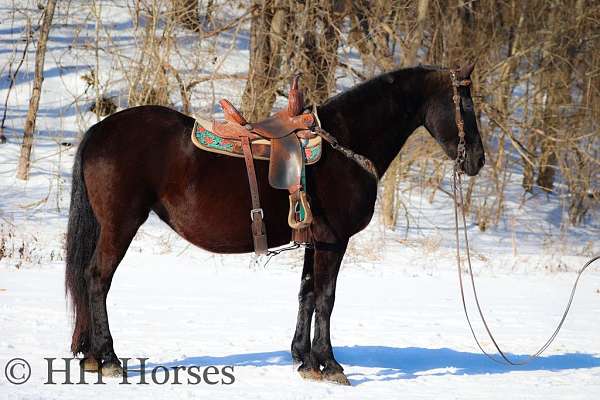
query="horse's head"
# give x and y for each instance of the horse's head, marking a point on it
(440, 120)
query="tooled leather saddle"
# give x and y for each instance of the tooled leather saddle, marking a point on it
(285, 137)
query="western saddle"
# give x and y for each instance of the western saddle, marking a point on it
(288, 132)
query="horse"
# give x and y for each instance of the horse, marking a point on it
(141, 159)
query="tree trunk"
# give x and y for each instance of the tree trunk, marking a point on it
(34, 102)
(502, 102)
(392, 176)
(529, 138)
(417, 38)
(269, 20)
(558, 97)
(368, 33)
(319, 23)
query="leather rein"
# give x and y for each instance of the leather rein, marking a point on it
(459, 203)
(359, 159)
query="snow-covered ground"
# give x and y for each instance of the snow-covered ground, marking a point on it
(398, 335)
(398, 327)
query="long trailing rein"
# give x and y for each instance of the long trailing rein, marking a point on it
(458, 193)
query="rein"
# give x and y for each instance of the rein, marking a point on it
(361, 160)
(458, 193)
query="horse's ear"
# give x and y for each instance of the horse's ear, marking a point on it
(466, 71)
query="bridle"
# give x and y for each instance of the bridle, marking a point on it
(459, 203)
(461, 150)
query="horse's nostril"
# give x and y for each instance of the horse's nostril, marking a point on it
(481, 162)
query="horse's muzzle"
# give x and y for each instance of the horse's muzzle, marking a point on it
(474, 162)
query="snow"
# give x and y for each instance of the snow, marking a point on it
(397, 328)
(396, 335)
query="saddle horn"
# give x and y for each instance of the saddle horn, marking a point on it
(295, 97)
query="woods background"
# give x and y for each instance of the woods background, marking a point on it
(536, 83)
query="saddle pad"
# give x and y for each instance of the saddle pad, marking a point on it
(204, 139)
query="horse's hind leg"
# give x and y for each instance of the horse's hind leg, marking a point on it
(115, 236)
(309, 368)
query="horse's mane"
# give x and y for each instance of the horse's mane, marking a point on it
(373, 86)
(405, 79)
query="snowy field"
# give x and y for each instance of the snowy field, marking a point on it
(397, 334)
(397, 327)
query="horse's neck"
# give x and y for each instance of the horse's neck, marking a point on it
(375, 123)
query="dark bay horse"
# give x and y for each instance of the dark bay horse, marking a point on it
(141, 160)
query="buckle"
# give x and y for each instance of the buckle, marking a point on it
(255, 211)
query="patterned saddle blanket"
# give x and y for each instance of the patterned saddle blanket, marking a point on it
(203, 138)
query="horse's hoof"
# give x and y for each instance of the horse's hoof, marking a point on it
(310, 374)
(89, 364)
(112, 370)
(336, 377)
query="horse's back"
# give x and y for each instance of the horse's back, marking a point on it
(130, 154)
(131, 136)
(139, 127)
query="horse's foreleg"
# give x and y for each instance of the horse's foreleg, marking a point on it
(326, 267)
(309, 368)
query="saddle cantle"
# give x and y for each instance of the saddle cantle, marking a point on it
(286, 139)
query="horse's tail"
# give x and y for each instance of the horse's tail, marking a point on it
(82, 234)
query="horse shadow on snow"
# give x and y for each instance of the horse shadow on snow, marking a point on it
(398, 363)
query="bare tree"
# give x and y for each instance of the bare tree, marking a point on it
(34, 102)
(392, 177)
(372, 25)
(186, 12)
(269, 20)
(536, 80)
(318, 24)
(13, 78)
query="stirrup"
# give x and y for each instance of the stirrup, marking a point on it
(298, 201)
